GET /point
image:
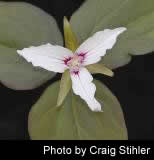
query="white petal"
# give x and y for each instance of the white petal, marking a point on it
(49, 57)
(95, 47)
(82, 85)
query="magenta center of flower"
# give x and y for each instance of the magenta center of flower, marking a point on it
(75, 62)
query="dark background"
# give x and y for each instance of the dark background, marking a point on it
(132, 84)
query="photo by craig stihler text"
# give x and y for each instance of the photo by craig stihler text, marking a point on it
(94, 150)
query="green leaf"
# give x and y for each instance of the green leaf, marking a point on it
(23, 25)
(74, 120)
(99, 68)
(70, 39)
(136, 15)
(65, 86)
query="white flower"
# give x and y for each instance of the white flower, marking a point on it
(58, 59)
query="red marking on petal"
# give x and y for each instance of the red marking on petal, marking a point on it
(76, 72)
(66, 60)
(82, 57)
(82, 54)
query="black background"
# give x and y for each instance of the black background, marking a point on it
(132, 84)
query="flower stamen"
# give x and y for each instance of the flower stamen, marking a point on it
(75, 62)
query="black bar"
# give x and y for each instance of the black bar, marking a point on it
(72, 149)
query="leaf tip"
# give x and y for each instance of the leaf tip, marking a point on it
(59, 102)
(112, 74)
(66, 22)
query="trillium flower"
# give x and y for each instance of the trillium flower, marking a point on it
(59, 59)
